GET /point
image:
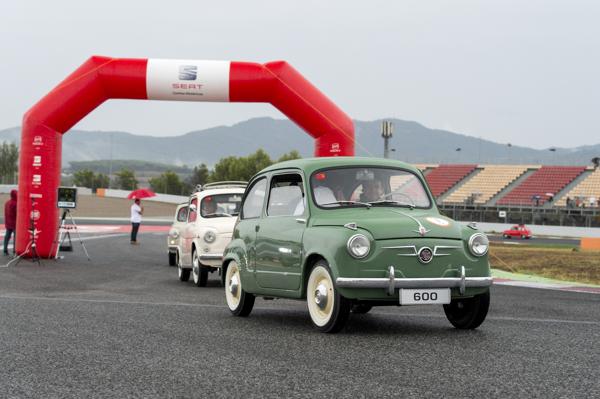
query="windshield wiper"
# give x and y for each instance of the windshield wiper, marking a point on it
(365, 204)
(399, 203)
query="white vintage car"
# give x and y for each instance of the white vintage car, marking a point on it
(212, 212)
(175, 233)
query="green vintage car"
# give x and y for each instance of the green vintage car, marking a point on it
(350, 233)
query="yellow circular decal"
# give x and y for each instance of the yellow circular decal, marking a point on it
(438, 221)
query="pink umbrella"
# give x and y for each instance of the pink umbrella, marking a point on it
(141, 193)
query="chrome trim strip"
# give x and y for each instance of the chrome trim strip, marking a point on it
(435, 249)
(401, 247)
(282, 273)
(415, 252)
(351, 226)
(422, 230)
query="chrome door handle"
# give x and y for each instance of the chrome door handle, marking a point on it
(300, 220)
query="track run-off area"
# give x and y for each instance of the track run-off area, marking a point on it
(123, 325)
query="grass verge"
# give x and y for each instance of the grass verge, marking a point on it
(557, 263)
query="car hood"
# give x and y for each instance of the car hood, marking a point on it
(387, 223)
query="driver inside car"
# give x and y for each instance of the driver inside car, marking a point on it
(209, 207)
(372, 191)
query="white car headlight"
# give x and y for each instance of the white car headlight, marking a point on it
(479, 244)
(210, 237)
(358, 246)
(174, 234)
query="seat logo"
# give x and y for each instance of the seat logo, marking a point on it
(188, 72)
(425, 255)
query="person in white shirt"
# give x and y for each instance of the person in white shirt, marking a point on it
(136, 218)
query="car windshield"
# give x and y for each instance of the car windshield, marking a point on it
(367, 187)
(220, 205)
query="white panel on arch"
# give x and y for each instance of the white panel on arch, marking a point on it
(187, 80)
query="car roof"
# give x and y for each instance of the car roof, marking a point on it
(309, 165)
(215, 191)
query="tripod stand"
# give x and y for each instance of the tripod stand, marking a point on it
(64, 228)
(33, 232)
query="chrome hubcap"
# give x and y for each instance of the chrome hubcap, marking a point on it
(234, 285)
(321, 296)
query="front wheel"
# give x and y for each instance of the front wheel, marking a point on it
(172, 258)
(240, 302)
(184, 274)
(199, 271)
(468, 313)
(328, 309)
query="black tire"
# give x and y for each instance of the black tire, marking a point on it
(361, 308)
(172, 259)
(240, 302)
(330, 319)
(199, 271)
(184, 274)
(468, 313)
(523, 237)
(505, 236)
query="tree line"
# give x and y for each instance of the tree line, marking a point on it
(9, 163)
(169, 182)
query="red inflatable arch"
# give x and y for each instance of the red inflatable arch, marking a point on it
(103, 78)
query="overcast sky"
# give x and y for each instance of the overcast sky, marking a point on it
(525, 72)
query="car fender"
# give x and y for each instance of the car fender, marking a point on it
(236, 251)
(329, 243)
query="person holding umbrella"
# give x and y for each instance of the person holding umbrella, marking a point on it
(137, 210)
(136, 218)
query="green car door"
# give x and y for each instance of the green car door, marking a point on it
(248, 227)
(279, 238)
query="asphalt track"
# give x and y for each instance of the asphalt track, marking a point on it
(122, 325)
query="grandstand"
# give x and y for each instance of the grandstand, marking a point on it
(504, 193)
(546, 180)
(514, 185)
(483, 186)
(444, 177)
(586, 189)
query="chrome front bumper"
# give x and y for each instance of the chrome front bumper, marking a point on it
(392, 282)
(211, 257)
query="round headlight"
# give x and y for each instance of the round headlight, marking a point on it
(359, 246)
(174, 233)
(210, 236)
(479, 244)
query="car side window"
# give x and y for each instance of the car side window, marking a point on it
(286, 195)
(193, 211)
(253, 203)
(182, 214)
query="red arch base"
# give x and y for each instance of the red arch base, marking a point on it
(103, 78)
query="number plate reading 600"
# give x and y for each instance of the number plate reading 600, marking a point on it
(425, 296)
